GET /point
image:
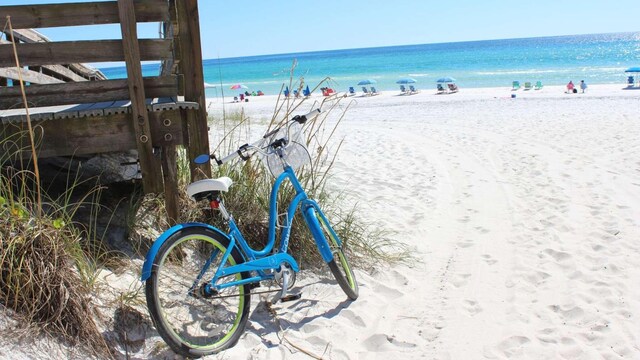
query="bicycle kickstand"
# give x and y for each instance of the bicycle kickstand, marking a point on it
(282, 294)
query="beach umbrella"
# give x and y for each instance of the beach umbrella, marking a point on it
(405, 81)
(446, 79)
(367, 82)
(633, 69)
(238, 86)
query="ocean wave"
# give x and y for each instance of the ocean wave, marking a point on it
(420, 75)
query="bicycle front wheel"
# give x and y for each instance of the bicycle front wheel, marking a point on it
(193, 319)
(339, 266)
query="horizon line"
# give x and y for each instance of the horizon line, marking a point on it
(392, 46)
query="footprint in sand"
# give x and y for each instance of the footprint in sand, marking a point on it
(387, 292)
(548, 335)
(513, 345)
(482, 230)
(488, 259)
(460, 280)
(384, 342)
(353, 318)
(536, 277)
(471, 306)
(558, 256)
(465, 244)
(464, 219)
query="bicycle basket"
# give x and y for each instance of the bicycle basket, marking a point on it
(295, 153)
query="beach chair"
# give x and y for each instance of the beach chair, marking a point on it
(413, 89)
(630, 81)
(528, 86)
(403, 90)
(374, 91)
(352, 91)
(516, 85)
(365, 91)
(296, 93)
(538, 85)
(441, 89)
(452, 87)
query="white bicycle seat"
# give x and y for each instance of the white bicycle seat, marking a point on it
(201, 187)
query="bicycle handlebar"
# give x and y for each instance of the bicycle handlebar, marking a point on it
(241, 152)
(301, 119)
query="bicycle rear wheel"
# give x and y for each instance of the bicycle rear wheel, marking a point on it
(339, 266)
(193, 320)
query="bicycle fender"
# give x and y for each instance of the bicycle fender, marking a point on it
(151, 254)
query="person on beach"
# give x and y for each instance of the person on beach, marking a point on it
(570, 87)
(583, 86)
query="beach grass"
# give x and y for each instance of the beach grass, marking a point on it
(365, 243)
(49, 263)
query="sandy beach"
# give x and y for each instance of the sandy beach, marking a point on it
(523, 213)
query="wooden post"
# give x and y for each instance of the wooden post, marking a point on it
(190, 57)
(170, 175)
(149, 164)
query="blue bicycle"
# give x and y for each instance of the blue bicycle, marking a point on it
(199, 278)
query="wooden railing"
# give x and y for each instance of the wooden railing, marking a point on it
(56, 77)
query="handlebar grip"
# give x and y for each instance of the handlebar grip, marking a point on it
(228, 158)
(301, 119)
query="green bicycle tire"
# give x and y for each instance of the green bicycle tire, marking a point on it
(187, 323)
(339, 266)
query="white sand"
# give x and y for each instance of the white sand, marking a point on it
(524, 213)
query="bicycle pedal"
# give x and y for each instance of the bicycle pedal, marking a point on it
(291, 297)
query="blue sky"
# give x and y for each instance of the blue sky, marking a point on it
(244, 28)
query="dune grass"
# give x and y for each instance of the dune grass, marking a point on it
(248, 198)
(48, 263)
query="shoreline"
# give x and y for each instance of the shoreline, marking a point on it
(598, 90)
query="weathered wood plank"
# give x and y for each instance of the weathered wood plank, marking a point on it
(96, 134)
(88, 13)
(84, 92)
(87, 71)
(29, 36)
(67, 52)
(30, 76)
(63, 71)
(75, 72)
(190, 54)
(149, 164)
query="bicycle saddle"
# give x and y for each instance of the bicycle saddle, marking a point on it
(202, 188)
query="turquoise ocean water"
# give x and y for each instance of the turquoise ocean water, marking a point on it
(597, 59)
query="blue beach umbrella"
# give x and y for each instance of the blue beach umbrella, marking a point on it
(367, 82)
(446, 79)
(405, 81)
(633, 69)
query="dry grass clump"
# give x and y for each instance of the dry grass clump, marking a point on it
(248, 198)
(45, 277)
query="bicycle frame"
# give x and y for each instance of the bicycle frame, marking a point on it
(258, 260)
